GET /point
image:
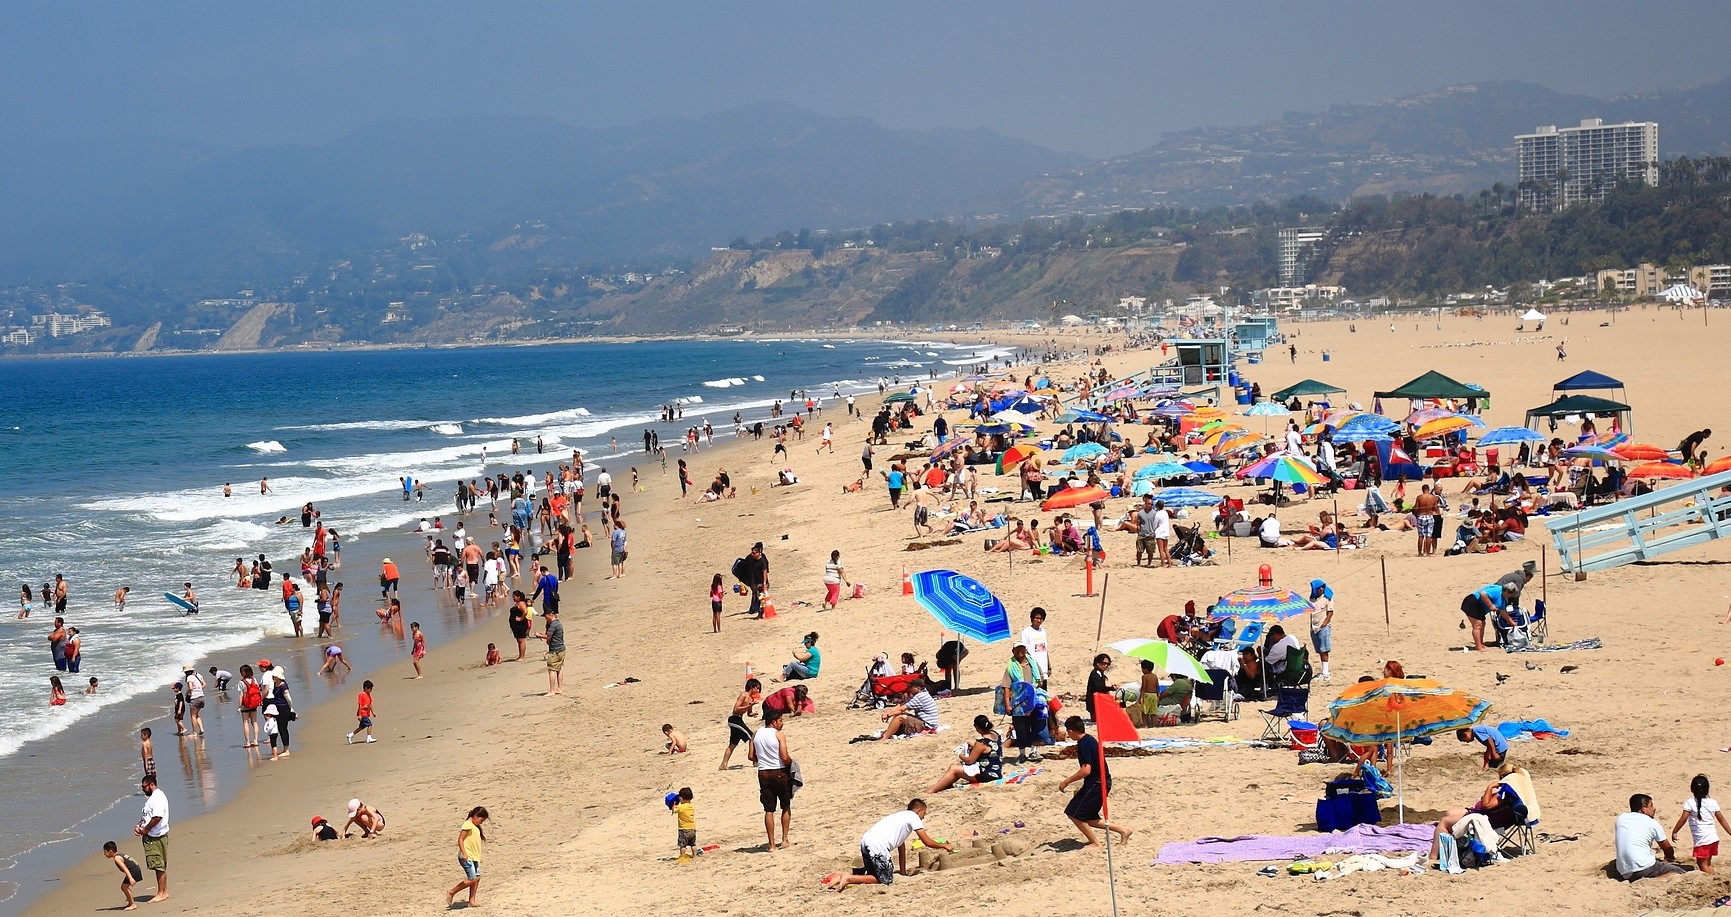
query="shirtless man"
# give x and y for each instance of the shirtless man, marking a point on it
(1428, 512)
(263, 486)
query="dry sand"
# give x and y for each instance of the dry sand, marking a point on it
(574, 783)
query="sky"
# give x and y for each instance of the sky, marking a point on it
(1097, 78)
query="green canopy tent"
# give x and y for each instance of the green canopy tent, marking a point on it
(1585, 405)
(1307, 387)
(1435, 385)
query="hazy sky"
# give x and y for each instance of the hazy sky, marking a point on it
(1099, 78)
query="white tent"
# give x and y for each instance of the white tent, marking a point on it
(1071, 319)
(1533, 315)
(1682, 292)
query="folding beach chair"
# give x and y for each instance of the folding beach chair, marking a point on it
(1292, 698)
(1519, 836)
(1220, 693)
(1529, 626)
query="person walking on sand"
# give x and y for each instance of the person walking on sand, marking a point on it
(889, 834)
(363, 714)
(470, 839)
(774, 759)
(553, 633)
(152, 828)
(418, 646)
(1085, 806)
(834, 577)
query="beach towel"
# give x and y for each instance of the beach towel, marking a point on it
(1447, 858)
(1522, 783)
(1010, 778)
(1590, 643)
(1521, 730)
(1250, 847)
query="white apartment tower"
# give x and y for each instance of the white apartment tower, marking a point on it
(1563, 166)
(1297, 252)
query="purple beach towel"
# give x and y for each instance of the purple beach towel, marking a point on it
(1357, 839)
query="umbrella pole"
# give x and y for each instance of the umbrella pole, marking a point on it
(1336, 520)
(1387, 622)
(1106, 819)
(1100, 628)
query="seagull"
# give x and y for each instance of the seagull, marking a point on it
(1569, 668)
(1530, 666)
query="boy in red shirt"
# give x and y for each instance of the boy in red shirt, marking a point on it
(364, 713)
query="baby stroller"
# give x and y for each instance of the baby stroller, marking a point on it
(1188, 548)
(881, 690)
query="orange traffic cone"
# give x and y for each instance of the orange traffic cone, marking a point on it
(768, 606)
(907, 583)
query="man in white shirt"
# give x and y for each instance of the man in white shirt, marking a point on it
(1636, 833)
(1283, 644)
(153, 828)
(1294, 439)
(1269, 534)
(891, 833)
(604, 484)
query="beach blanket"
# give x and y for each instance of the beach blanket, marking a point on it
(1521, 730)
(1246, 848)
(1010, 778)
(1183, 743)
(1590, 643)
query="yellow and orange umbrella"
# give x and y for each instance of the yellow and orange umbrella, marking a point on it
(1442, 426)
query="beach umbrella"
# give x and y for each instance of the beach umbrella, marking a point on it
(1202, 467)
(1090, 416)
(1016, 455)
(1071, 497)
(1016, 417)
(1066, 417)
(1593, 452)
(1187, 497)
(1208, 413)
(1608, 440)
(1509, 436)
(1128, 391)
(1083, 452)
(1723, 463)
(1268, 409)
(1238, 442)
(1167, 658)
(1422, 416)
(1642, 452)
(1138, 488)
(1160, 471)
(948, 446)
(898, 397)
(1391, 710)
(993, 429)
(963, 387)
(1026, 404)
(962, 604)
(1270, 604)
(1661, 470)
(1175, 409)
(1443, 426)
(1283, 466)
(1364, 423)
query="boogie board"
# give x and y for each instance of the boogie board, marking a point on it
(186, 606)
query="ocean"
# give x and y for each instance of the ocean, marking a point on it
(114, 472)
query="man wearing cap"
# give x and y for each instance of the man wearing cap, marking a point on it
(1513, 585)
(388, 578)
(554, 634)
(153, 828)
(754, 572)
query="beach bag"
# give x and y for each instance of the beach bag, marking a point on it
(251, 697)
(859, 590)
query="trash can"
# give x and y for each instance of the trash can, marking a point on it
(1325, 356)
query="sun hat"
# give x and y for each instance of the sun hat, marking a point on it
(270, 710)
(354, 806)
(317, 819)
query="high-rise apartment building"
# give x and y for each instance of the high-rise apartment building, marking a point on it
(1297, 253)
(1563, 166)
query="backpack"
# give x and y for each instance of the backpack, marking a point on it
(251, 697)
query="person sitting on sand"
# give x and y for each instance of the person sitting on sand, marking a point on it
(1327, 541)
(1019, 539)
(675, 744)
(807, 660)
(1490, 805)
(917, 713)
(981, 760)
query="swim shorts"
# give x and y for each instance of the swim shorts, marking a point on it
(877, 866)
(775, 788)
(555, 661)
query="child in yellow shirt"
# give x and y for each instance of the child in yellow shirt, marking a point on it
(686, 813)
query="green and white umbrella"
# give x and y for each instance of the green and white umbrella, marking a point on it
(1168, 658)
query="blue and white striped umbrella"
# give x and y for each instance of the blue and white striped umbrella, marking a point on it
(1160, 471)
(1090, 416)
(1187, 497)
(1510, 436)
(1268, 409)
(962, 604)
(1362, 424)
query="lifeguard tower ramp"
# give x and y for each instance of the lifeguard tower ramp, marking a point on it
(1677, 516)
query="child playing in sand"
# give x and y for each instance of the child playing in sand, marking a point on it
(492, 654)
(129, 872)
(687, 817)
(334, 658)
(675, 740)
(1702, 814)
(363, 713)
(418, 648)
(179, 709)
(147, 752)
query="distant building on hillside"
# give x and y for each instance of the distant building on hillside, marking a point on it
(1647, 280)
(1298, 253)
(1558, 167)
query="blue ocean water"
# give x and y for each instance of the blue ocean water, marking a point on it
(114, 469)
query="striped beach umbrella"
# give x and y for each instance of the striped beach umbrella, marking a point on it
(1165, 656)
(1285, 467)
(1510, 436)
(1271, 604)
(962, 604)
(1160, 471)
(1642, 452)
(1187, 497)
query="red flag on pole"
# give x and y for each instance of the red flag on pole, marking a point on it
(1111, 724)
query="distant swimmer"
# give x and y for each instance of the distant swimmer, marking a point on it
(120, 598)
(191, 598)
(264, 486)
(228, 490)
(282, 520)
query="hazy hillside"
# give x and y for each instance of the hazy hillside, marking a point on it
(1450, 141)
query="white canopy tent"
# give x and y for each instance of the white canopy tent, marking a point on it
(1533, 315)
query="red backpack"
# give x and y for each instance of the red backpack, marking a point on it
(251, 698)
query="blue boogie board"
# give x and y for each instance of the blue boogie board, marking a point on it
(186, 606)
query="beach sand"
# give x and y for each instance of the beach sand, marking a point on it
(574, 784)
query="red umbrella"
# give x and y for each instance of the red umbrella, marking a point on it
(1722, 463)
(1642, 452)
(1071, 497)
(1660, 470)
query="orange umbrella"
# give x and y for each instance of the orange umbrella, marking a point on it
(1722, 463)
(1442, 426)
(1071, 497)
(1660, 470)
(1208, 413)
(1642, 452)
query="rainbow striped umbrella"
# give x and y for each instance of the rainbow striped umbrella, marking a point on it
(1284, 466)
(1238, 442)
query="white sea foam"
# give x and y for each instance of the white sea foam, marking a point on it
(447, 429)
(267, 446)
(724, 383)
(366, 425)
(533, 420)
(757, 378)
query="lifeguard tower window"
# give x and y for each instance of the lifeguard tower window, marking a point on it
(1202, 362)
